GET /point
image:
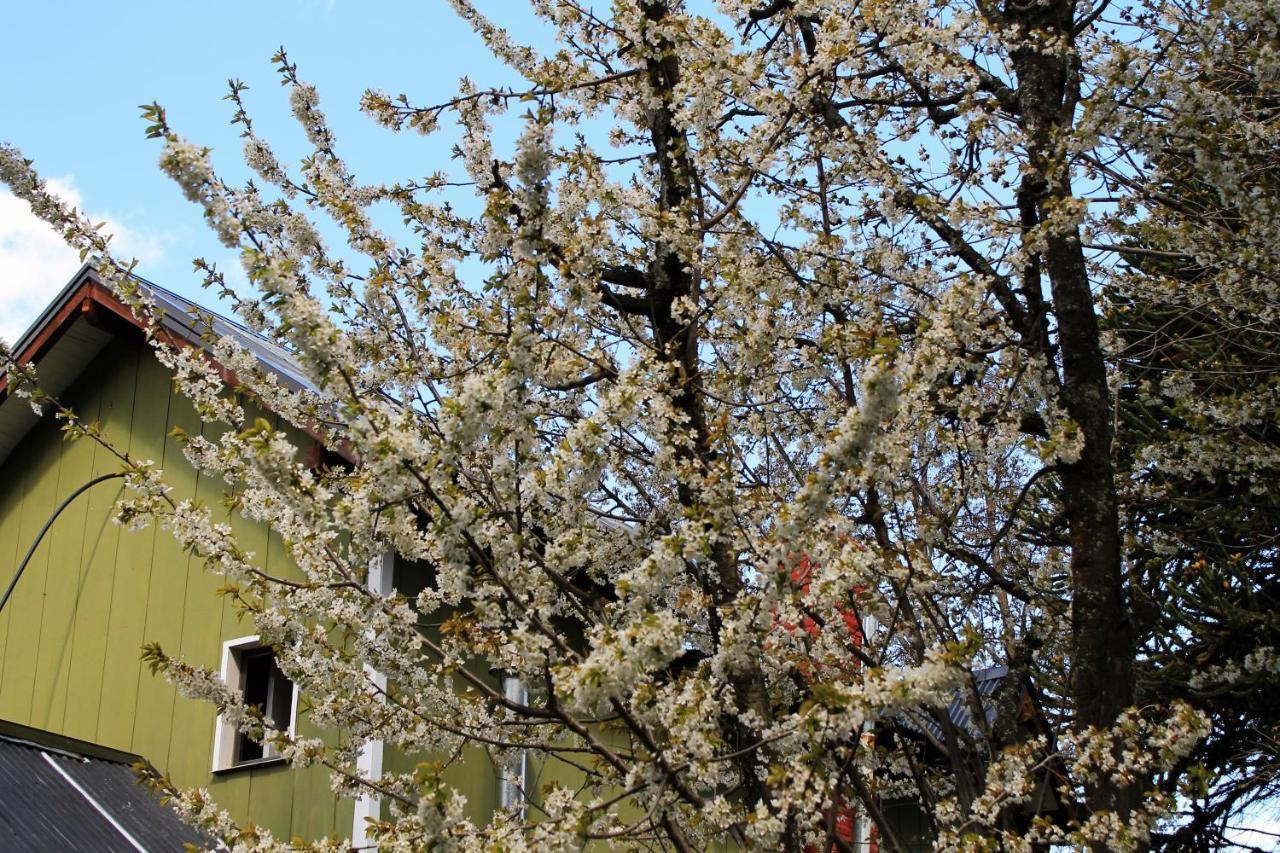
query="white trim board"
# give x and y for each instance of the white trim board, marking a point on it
(224, 734)
(369, 764)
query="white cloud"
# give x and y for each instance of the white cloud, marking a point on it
(35, 263)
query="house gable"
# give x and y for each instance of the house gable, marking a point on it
(93, 592)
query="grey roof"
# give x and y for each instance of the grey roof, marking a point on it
(193, 323)
(57, 793)
(82, 341)
(186, 319)
(960, 709)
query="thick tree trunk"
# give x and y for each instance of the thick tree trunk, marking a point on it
(1102, 638)
(669, 277)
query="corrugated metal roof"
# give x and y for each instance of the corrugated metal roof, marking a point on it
(193, 322)
(77, 796)
(960, 708)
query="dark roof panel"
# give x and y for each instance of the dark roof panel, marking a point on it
(55, 795)
(192, 322)
(987, 682)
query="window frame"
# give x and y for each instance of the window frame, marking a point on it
(225, 735)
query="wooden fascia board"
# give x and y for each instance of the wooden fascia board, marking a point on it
(91, 298)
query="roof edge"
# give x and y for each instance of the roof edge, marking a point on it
(86, 270)
(46, 740)
(84, 294)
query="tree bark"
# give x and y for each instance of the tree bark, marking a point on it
(669, 277)
(1102, 679)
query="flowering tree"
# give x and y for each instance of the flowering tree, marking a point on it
(745, 436)
(1197, 437)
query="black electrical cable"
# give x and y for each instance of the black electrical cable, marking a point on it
(57, 512)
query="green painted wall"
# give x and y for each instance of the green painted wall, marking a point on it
(70, 637)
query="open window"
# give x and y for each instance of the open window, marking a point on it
(251, 668)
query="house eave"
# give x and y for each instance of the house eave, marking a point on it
(83, 318)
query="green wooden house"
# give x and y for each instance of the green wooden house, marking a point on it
(92, 592)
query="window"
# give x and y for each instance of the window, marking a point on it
(251, 668)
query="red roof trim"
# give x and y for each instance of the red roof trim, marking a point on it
(90, 298)
(87, 297)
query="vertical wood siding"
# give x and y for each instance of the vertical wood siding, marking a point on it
(70, 637)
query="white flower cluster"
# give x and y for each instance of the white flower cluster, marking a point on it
(750, 405)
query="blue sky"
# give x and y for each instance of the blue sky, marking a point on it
(76, 72)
